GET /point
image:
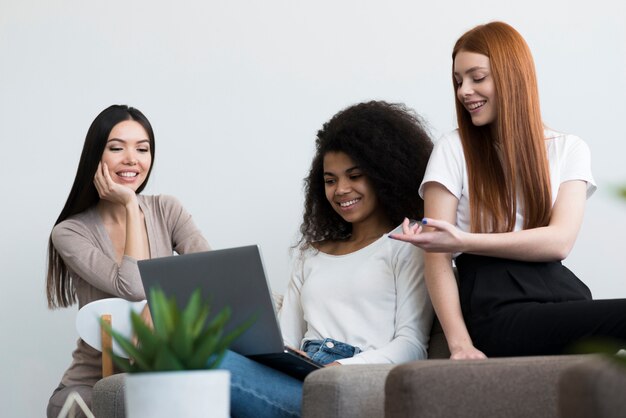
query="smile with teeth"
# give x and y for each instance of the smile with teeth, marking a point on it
(349, 203)
(128, 174)
(475, 105)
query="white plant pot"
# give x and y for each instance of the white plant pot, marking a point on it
(189, 394)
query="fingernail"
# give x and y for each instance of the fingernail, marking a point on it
(424, 221)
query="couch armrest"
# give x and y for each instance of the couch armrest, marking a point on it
(594, 388)
(501, 387)
(107, 400)
(346, 391)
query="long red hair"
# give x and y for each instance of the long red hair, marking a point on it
(518, 174)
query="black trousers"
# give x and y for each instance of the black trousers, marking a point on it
(518, 308)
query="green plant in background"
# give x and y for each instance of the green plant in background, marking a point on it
(180, 340)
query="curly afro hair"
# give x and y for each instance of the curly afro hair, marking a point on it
(390, 144)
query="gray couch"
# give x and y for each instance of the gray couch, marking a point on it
(557, 386)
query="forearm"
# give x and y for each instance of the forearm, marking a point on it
(538, 244)
(444, 295)
(136, 246)
(87, 261)
(549, 243)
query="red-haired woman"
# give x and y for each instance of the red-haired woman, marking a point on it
(505, 197)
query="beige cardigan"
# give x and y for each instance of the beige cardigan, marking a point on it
(84, 245)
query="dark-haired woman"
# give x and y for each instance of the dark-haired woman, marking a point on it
(105, 227)
(505, 196)
(355, 297)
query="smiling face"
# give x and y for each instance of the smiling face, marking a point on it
(348, 190)
(127, 154)
(475, 87)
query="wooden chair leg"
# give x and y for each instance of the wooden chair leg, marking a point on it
(107, 346)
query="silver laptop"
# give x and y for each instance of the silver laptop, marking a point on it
(233, 277)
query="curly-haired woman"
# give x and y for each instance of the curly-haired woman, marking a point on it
(355, 296)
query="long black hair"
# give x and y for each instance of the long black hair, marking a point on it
(83, 195)
(390, 144)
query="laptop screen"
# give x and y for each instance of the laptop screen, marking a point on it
(233, 277)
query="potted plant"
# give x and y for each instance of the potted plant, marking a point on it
(171, 366)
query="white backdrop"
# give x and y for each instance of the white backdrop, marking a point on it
(236, 92)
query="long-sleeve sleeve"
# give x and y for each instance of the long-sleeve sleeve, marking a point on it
(85, 257)
(185, 235)
(292, 324)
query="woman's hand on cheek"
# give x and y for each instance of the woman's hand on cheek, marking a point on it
(110, 190)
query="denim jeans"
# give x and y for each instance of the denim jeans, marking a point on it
(260, 391)
(328, 350)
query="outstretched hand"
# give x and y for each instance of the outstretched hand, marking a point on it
(110, 190)
(432, 235)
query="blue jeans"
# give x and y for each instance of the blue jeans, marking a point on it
(328, 350)
(260, 391)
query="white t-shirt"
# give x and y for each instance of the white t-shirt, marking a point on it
(374, 298)
(568, 157)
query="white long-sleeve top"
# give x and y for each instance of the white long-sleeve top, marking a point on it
(374, 298)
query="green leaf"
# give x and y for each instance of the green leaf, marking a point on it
(174, 314)
(216, 360)
(198, 324)
(219, 321)
(161, 313)
(193, 307)
(121, 362)
(597, 345)
(206, 345)
(166, 360)
(235, 333)
(196, 314)
(126, 345)
(182, 342)
(213, 346)
(146, 339)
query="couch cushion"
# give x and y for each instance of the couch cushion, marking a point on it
(594, 388)
(354, 391)
(517, 387)
(108, 397)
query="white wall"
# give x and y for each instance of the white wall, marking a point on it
(236, 91)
